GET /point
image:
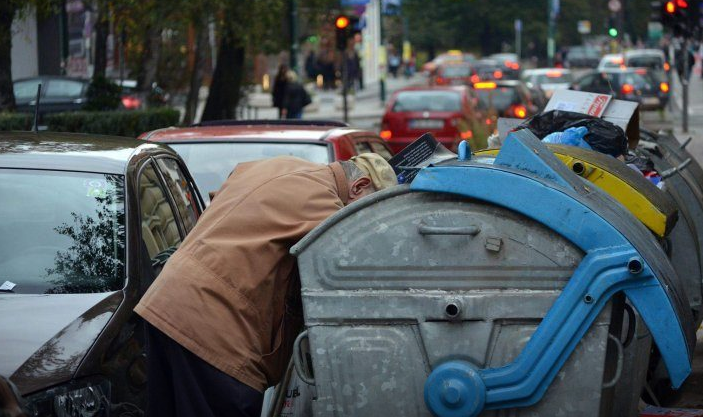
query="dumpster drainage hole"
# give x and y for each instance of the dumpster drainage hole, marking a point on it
(634, 266)
(578, 168)
(588, 299)
(452, 310)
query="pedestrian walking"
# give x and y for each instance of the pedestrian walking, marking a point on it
(279, 88)
(223, 313)
(394, 64)
(295, 97)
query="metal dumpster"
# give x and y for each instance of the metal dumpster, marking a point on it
(482, 288)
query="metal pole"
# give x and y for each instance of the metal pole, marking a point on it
(518, 38)
(382, 78)
(345, 75)
(550, 32)
(684, 86)
(294, 46)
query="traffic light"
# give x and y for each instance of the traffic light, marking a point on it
(680, 17)
(613, 32)
(341, 27)
(345, 26)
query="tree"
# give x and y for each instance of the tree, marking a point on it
(9, 11)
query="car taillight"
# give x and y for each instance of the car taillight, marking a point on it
(386, 134)
(519, 111)
(475, 78)
(627, 88)
(130, 102)
(664, 87)
(439, 80)
(497, 74)
(667, 67)
(488, 121)
(466, 135)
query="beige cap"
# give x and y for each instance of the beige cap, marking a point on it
(377, 168)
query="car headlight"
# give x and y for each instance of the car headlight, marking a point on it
(85, 398)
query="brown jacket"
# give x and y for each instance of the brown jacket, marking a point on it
(230, 294)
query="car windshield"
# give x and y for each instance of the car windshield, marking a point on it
(26, 90)
(441, 101)
(554, 78)
(456, 71)
(652, 61)
(211, 163)
(582, 53)
(61, 232)
(498, 98)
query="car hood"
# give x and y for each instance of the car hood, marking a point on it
(45, 337)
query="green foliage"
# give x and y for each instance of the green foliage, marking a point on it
(120, 123)
(102, 95)
(488, 26)
(16, 121)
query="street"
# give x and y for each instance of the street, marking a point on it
(295, 208)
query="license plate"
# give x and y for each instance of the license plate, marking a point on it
(650, 101)
(426, 124)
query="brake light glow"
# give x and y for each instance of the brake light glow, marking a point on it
(488, 121)
(466, 135)
(520, 111)
(554, 74)
(512, 65)
(664, 87)
(627, 88)
(386, 134)
(131, 102)
(486, 85)
(439, 80)
(667, 67)
(497, 74)
(475, 78)
(681, 4)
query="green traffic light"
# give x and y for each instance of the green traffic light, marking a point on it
(613, 32)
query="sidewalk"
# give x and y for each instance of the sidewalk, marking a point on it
(365, 106)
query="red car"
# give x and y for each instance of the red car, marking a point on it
(211, 150)
(452, 74)
(449, 113)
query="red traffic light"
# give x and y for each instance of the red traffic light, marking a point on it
(670, 7)
(342, 22)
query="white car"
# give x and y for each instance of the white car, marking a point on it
(548, 79)
(611, 61)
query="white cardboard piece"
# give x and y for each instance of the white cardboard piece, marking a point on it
(619, 112)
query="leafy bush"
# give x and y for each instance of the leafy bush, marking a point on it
(16, 121)
(102, 95)
(120, 123)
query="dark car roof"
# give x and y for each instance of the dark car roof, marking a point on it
(251, 132)
(71, 151)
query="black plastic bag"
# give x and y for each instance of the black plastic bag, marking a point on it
(603, 136)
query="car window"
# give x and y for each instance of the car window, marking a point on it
(62, 232)
(25, 90)
(182, 191)
(381, 149)
(652, 61)
(427, 101)
(497, 98)
(586, 81)
(211, 163)
(160, 232)
(64, 88)
(361, 146)
(638, 81)
(456, 71)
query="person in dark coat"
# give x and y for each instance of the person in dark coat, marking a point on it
(295, 97)
(279, 88)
